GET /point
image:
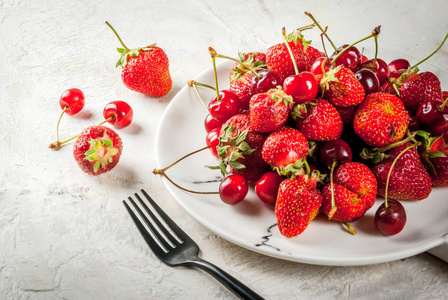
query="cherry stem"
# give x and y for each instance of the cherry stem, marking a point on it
(213, 55)
(195, 84)
(57, 126)
(321, 29)
(438, 48)
(240, 62)
(443, 105)
(323, 43)
(333, 202)
(290, 51)
(121, 42)
(390, 171)
(374, 33)
(350, 228)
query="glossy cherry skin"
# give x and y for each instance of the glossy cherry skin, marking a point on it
(267, 186)
(432, 118)
(397, 67)
(316, 66)
(73, 99)
(380, 69)
(391, 220)
(233, 189)
(303, 87)
(211, 123)
(335, 151)
(268, 80)
(212, 140)
(350, 59)
(228, 105)
(368, 80)
(119, 113)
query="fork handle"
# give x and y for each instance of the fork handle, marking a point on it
(230, 282)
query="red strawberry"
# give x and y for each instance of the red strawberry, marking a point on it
(409, 179)
(435, 158)
(355, 189)
(341, 87)
(145, 69)
(242, 87)
(285, 150)
(97, 149)
(346, 113)
(318, 120)
(255, 60)
(381, 120)
(298, 202)
(419, 88)
(311, 55)
(388, 88)
(268, 111)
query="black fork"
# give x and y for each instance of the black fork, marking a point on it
(173, 246)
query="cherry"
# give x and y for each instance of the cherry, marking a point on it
(266, 80)
(225, 106)
(72, 101)
(118, 113)
(267, 186)
(397, 67)
(433, 115)
(211, 123)
(233, 189)
(335, 151)
(303, 87)
(212, 140)
(390, 217)
(350, 59)
(368, 80)
(380, 68)
(316, 66)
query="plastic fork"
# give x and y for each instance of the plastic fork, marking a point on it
(173, 246)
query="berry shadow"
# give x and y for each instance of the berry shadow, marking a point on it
(83, 115)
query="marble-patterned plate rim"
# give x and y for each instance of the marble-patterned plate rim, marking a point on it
(251, 224)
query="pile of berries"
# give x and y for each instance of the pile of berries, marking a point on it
(317, 133)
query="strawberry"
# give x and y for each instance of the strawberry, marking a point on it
(97, 149)
(297, 204)
(419, 88)
(311, 55)
(408, 180)
(435, 158)
(341, 87)
(355, 189)
(268, 111)
(145, 70)
(285, 150)
(242, 87)
(381, 120)
(318, 120)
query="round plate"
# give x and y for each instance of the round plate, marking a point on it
(252, 224)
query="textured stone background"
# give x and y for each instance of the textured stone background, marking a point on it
(65, 235)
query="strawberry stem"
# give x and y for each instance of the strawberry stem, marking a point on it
(290, 51)
(438, 48)
(324, 32)
(121, 42)
(240, 62)
(213, 55)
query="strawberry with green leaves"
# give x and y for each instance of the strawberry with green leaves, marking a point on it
(435, 158)
(341, 88)
(318, 120)
(145, 70)
(381, 120)
(97, 149)
(298, 202)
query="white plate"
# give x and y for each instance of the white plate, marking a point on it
(252, 224)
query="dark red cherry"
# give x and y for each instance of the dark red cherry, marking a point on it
(318, 64)
(350, 59)
(267, 186)
(397, 67)
(433, 117)
(72, 100)
(335, 151)
(303, 87)
(390, 220)
(233, 189)
(228, 105)
(118, 113)
(380, 69)
(268, 80)
(211, 123)
(212, 140)
(368, 80)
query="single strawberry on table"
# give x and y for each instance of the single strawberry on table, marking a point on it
(97, 149)
(145, 69)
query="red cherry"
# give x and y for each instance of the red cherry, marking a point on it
(118, 113)
(233, 189)
(267, 186)
(390, 220)
(228, 105)
(212, 140)
(268, 80)
(211, 123)
(380, 69)
(350, 59)
(73, 100)
(433, 118)
(303, 87)
(316, 67)
(335, 151)
(397, 67)
(368, 80)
